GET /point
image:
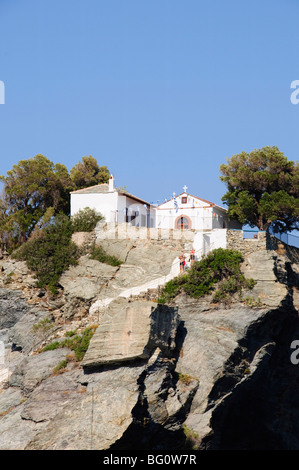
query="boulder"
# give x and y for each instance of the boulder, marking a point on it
(131, 330)
(86, 279)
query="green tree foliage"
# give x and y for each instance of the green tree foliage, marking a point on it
(221, 267)
(262, 189)
(88, 173)
(30, 188)
(36, 187)
(78, 343)
(50, 251)
(85, 220)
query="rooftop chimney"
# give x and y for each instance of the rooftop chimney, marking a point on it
(111, 183)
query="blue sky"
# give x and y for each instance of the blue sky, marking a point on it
(160, 91)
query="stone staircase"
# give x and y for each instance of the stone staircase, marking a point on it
(140, 289)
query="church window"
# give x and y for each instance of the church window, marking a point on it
(184, 200)
(183, 223)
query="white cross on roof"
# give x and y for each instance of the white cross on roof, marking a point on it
(185, 188)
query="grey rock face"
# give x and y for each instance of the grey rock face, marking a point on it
(9, 399)
(49, 398)
(144, 261)
(153, 374)
(33, 369)
(97, 417)
(12, 308)
(118, 248)
(261, 267)
(22, 334)
(131, 330)
(15, 432)
(240, 353)
(210, 338)
(166, 397)
(152, 259)
(86, 279)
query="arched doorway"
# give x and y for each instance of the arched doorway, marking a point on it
(183, 223)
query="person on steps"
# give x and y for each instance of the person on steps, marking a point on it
(182, 263)
(192, 258)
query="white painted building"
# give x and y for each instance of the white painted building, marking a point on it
(183, 212)
(191, 212)
(116, 205)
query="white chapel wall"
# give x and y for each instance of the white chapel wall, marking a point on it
(201, 218)
(204, 242)
(104, 203)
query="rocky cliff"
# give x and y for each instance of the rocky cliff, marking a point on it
(192, 374)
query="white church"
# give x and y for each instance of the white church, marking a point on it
(183, 211)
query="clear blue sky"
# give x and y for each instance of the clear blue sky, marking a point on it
(160, 91)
